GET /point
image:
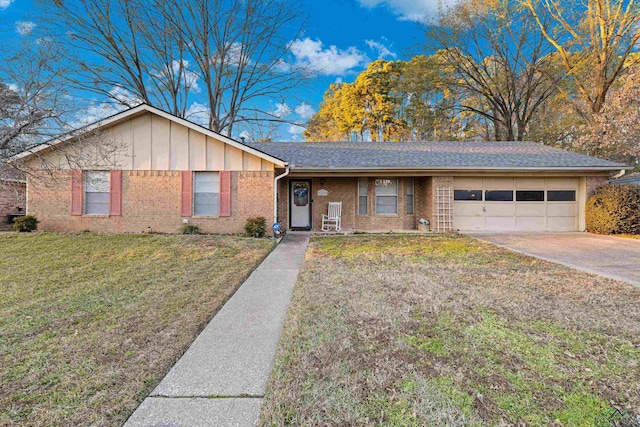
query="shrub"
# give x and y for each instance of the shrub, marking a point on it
(190, 229)
(256, 226)
(614, 209)
(27, 223)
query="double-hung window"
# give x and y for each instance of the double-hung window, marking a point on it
(409, 196)
(386, 196)
(363, 196)
(206, 194)
(97, 187)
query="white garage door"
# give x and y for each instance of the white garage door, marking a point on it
(515, 204)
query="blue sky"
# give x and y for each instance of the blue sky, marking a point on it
(341, 38)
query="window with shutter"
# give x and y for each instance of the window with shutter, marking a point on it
(97, 192)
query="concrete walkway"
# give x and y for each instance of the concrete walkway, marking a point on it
(221, 379)
(609, 256)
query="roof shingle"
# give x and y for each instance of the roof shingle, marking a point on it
(429, 155)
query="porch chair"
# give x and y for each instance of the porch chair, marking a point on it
(334, 217)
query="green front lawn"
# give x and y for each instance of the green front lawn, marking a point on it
(432, 330)
(89, 324)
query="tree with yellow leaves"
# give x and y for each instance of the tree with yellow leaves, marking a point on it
(367, 109)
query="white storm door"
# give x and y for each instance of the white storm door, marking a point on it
(300, 204)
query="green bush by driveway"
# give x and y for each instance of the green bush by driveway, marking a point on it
(450, 331)
(89, 324)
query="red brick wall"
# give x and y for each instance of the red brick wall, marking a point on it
(151, 199)
(12, 196)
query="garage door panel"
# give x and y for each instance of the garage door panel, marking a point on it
(500, 209)
(528, 223)
(468, 208)
(530, 184)
(498, 183)
(561, 223)
(562, 209)
(500, 223)
(467, 184)
(562, 184)
(468, 223)
(524, 215)
(530, 209)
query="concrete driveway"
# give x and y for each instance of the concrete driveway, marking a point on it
(609, 256)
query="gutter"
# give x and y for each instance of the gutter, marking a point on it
(275, 192)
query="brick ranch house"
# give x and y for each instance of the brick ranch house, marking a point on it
(171, 172)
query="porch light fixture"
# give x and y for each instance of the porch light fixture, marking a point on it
(321, 181)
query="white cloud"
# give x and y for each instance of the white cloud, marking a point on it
(338, 80)
(410, 10)
(198, 113)
(380, 49)
(330, 61)
(296, 132)
(305, 111)
(24, 27)
(5, 4)
(281, 110)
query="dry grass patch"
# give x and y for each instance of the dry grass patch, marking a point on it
(89, 324)
(438, 330)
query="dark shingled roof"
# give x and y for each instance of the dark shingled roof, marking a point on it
(429, 155)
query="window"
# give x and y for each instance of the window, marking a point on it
(386, 196)
(409, 194)
(96, 192)
(467, 195)
(498, 196)
(561, 196)
(206, 194)
(530, 196)
(363, 196)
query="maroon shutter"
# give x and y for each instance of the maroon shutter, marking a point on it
(76, 192)
(187, 193)
(115, 194)
(225, 193)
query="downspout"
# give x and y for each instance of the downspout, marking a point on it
(275, 192)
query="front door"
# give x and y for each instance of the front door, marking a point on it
(300, 204)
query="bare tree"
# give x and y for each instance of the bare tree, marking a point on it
(594, 39)
(36, 108)
(165, 53)
(499, 61)
(31, 97)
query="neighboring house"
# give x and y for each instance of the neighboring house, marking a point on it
(633, 179)
(13, 192)
(171, 172)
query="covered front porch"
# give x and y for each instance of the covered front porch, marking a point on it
(370, 202)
